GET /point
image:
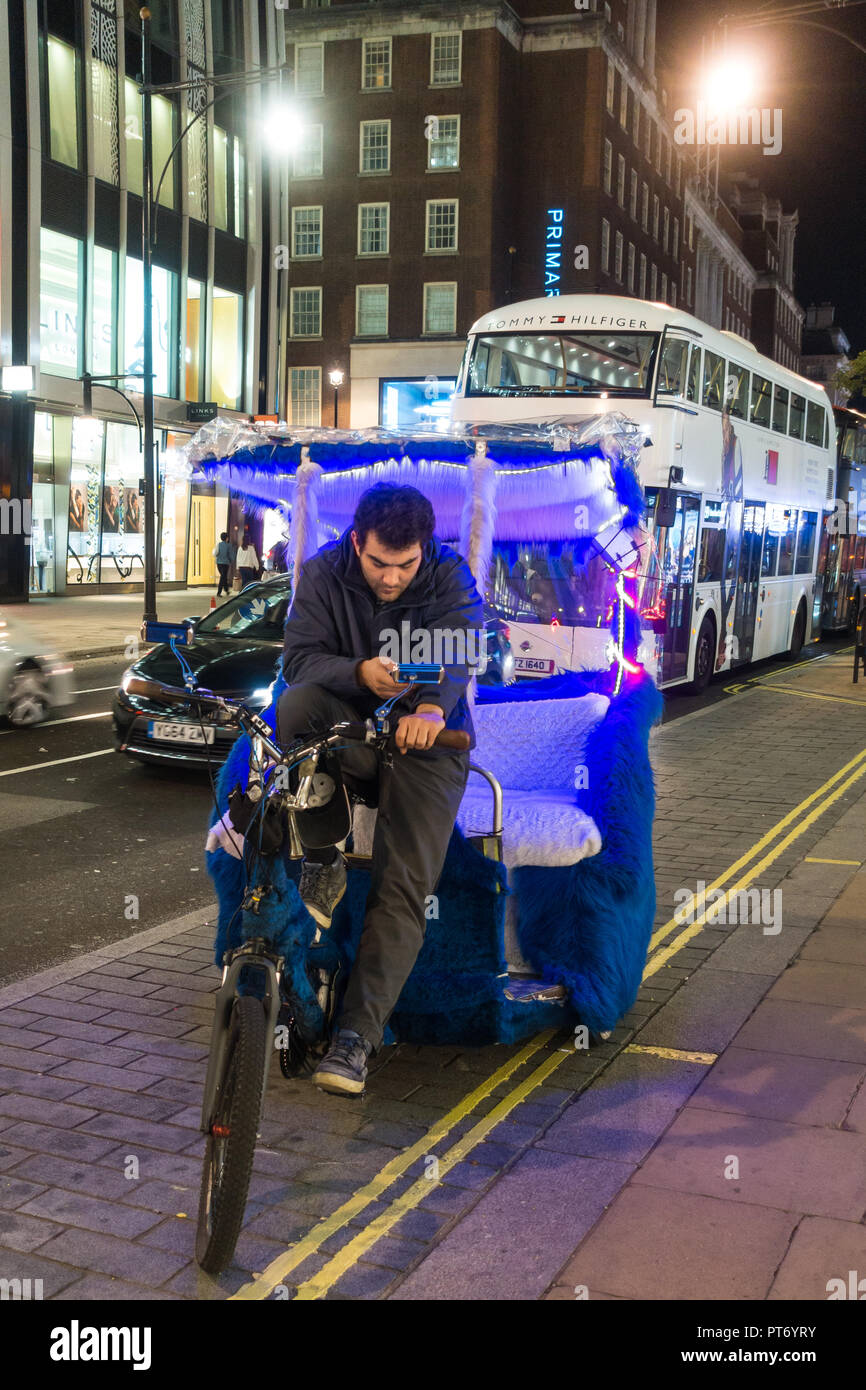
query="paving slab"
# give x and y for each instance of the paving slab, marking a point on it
(742, 1158)
(821, 1260)
(815, 1091)
(656, 1244)
(707, 1012)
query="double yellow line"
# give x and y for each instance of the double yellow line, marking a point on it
(801, 818)
(276, 1273)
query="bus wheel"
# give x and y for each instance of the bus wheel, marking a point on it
(798, 636)
(705, 653)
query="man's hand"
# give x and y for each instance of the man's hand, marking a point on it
(375, 674)
(419, 730)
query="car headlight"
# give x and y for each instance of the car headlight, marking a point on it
(262, 696)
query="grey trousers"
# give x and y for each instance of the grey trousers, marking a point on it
(418, 802)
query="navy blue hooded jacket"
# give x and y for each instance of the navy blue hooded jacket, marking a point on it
(336, 621)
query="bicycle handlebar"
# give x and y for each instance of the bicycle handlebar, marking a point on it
(458, 739)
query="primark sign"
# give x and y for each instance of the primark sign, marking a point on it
(553, 251)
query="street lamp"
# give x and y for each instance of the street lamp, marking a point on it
(147, 91)
(336, 379)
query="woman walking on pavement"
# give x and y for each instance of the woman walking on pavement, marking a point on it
(223, 557)
(248, 561)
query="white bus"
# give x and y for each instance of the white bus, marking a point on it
(738, 472)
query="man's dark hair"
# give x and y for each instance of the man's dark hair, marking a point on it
(224, 535)
(400, 516)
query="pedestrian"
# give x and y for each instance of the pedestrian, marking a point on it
(248, 561)
(223, 557)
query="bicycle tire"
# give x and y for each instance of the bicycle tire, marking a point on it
(228, 1160)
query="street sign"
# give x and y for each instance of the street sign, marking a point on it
(201, 411)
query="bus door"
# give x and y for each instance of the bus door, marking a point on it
(677, 551)
(748, 582)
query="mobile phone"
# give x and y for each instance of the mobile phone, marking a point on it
(418, 673)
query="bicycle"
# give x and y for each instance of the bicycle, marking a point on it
(254, 998)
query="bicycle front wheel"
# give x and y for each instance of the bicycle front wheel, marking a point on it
(228, 1160)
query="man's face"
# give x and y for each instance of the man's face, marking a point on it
(388, 572)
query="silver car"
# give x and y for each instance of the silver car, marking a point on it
(33, 678)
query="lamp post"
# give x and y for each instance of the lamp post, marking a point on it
(336, 379)
(147, 91)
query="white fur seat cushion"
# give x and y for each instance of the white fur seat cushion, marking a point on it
(540, 827)
(530, 745)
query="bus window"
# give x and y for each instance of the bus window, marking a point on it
(826, 431)
(737, 391)
(806, 542)
(814, 424)
(761, 397)
(780, 409)
(694, 375)
(771, 549)
(712, 554)
(672, 368)
(795, 422)
(789, 537)
(714, 378)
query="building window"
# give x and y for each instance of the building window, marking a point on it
(664, 288)
(103, 339)
(165, 335)
(228, 182)
(648, 136)
(371, 311)
(306, 313)
(644, 207)
(655, 217)
(658, 149)
(637, 111)
(163, 119)
(632, 195)
(642, 275)
(63, 102)
(441, 225)
(620, 180)
(676, 245)
(440, 307)
(611, 86)
(375, 64)
(654, 280)
(688, 284)
(373, 229)
(305, 396)
(194, 340)
(306, 232)
(445, 59)
(309, 69)
(673, 289)
(630, 270)
(59, 294)
(307, 163)
(617, 259)
(623, 102)
(375, 147)
(679, 175)
(605, 245)
(443, 145)
(227, 349)
(608, 166)
(666, 229)
(667, 162)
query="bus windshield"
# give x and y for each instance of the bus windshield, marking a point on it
(583, 364)
(547, 582)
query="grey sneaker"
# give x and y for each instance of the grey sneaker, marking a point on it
(343, 1069)
(321, 888)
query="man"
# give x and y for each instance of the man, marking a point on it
(352, 599)
(223, 557)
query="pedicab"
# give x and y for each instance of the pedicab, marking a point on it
(543, 912)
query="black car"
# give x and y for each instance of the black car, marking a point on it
(235, 651)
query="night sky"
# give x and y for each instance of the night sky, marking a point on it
(819, 82)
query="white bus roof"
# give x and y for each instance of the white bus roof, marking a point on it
(620, 311)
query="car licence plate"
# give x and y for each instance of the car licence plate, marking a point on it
(165, 732)
(540, 665)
